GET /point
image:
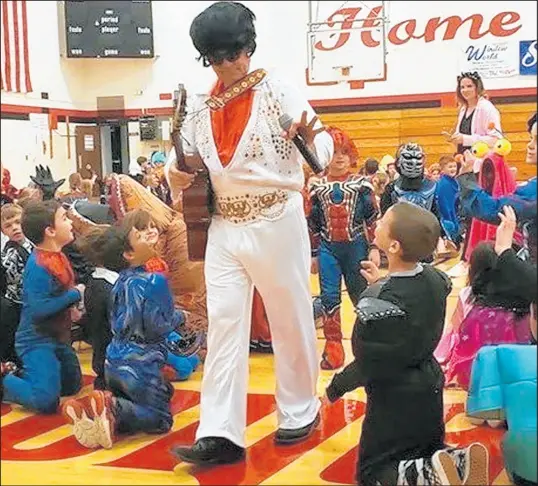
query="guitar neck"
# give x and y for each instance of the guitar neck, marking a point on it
(180, 154)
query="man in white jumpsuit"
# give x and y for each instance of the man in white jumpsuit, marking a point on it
(257, 238)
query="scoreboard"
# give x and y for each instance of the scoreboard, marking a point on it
(107, 29)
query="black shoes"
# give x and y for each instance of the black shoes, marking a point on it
(292, 436)
(210, 451)
(261, 347)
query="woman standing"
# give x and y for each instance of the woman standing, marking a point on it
(476, 115)
(475, 118)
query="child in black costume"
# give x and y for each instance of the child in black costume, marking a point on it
(400, 321)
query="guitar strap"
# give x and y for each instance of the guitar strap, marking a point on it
(217, 102)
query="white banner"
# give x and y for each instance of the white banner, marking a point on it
(492, 60)
(40, 128)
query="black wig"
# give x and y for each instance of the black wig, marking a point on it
(222, 31)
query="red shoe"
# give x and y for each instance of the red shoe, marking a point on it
(333, 355)
(85, 429)
(102, 406)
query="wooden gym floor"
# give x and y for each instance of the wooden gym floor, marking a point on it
(41, 449)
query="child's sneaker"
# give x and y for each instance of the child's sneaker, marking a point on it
(8, 368)
(85, 429)
(102, 406)
(444, 470)
(477, 467)
(472, 464)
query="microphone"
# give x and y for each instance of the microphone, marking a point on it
(285, 122)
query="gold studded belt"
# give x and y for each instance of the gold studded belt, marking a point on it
(250, 207)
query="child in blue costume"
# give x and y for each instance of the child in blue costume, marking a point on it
(96, 246)
(343, 211)
(447, 193)
(50, 366)
(142, 319)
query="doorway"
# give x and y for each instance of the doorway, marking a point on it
(88, 147)
(115, 146)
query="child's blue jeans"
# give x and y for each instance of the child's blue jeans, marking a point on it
(50, 369)
(337, 259)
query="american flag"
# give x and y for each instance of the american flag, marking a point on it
(15, 66)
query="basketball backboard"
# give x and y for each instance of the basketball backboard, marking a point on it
(346, 42)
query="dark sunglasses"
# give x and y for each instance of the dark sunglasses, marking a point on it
(218, 57)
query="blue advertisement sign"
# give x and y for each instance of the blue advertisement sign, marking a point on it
(527, 58)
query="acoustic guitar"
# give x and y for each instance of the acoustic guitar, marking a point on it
(198, 200)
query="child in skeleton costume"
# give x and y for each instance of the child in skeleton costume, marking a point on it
(15, 254)
(258, 236)
(399, 322)
(342, 207)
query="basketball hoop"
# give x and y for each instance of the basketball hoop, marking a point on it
(351, 59)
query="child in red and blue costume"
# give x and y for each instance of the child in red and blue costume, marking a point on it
(50, 366)
(342, 215)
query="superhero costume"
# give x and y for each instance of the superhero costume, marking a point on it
(142, 317)
(42, 341)
(412, 186)
(341, 210)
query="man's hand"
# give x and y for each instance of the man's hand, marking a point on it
(370, 272)
(305, 129)
(314, 266)
(179, 180)
(76, 313)
(504, 237)
(375, 257)
(325, 402)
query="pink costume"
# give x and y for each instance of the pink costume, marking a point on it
(474, 325)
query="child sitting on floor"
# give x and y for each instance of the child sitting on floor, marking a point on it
(50, 366)
(15, 254)
(99, 246)
(488, 312)
(400, 320)
(143, 319)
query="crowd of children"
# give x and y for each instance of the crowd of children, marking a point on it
(400, 354)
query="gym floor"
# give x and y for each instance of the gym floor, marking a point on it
(41, 450)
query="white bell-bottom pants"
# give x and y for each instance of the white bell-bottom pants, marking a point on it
(274, 257)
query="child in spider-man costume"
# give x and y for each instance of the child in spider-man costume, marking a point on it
(343, 212)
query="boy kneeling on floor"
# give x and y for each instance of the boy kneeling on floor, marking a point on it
(43, 340)
(399, 323)
(142, 317)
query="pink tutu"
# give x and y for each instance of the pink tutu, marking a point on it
(479, 326)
